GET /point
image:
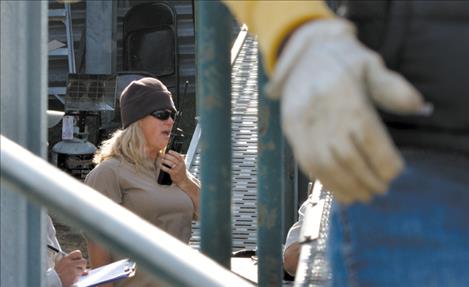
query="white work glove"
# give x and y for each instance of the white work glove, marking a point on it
(326, 80)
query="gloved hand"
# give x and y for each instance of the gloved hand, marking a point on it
(327, 81)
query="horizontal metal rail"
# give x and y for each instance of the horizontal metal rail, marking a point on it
(121, 230)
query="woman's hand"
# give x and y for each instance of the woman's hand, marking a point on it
(182, 177)
(174, 164)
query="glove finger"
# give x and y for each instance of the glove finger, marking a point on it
(350, 157)
(340, 181)
(339, 194)
(376, 145)
(391, 91)
(318, 166)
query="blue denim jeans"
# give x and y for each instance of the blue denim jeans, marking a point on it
(415, 235)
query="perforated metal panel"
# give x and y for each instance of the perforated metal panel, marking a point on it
(244, 144)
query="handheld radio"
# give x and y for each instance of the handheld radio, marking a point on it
(176, 141)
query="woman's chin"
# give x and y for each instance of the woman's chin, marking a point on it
(163, 146)
(157, 147)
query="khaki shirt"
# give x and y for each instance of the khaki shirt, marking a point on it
(167, 207)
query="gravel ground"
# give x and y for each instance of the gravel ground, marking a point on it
(70, 238)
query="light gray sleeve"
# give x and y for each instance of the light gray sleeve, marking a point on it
(51, 235)
(294, 232)
(52, 256)
(52, 278)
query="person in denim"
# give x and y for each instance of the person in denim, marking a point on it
(415, 235)
(375, 107)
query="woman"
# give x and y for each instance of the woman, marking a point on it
(128, 165)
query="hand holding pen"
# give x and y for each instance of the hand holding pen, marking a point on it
(57, 250)
(70, 266)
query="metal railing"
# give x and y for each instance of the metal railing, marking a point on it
(213, 89)
(214, 26)
(126, 233)
(121, 230)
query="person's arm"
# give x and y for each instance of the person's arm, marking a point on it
(66, 270)
(98, 256)
(52, 278)
(174, 164)
(291, 256)
(291, 253)
(274, 21)
(191, 186)
(103, 178)
(328, 83)
(62, 270)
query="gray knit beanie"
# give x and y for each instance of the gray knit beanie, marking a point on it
(142, 97)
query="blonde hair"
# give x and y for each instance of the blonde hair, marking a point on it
(127, 144)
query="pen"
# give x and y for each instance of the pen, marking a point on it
(56, 250)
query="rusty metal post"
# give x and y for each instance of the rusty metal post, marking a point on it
(270, 175)
(213, 26)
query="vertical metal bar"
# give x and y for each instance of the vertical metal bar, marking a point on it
(23, 89)
(70, 45)
(213, 26)
(296, 190)
(100, 41)
(289, 174)
(302, 183)
(269, 189)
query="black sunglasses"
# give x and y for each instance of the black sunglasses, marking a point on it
(164, 114)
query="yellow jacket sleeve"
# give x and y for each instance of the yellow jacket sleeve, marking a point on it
(273, 21)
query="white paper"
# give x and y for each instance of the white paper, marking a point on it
(67, 128)
(121, 269)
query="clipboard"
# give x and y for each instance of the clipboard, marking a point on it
(118, 270)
